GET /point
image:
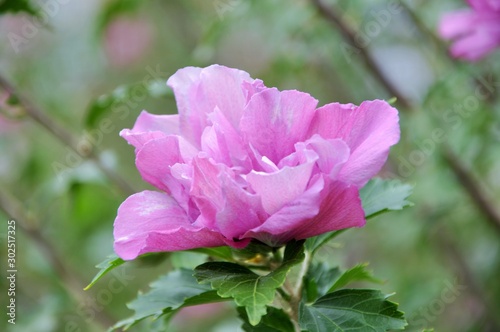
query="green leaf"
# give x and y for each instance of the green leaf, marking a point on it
(356, 273)
(123, 93)
(380, 195)
(170, 292)
(107, 265)
(319, 279)
(276, 320)
(316, 242)
(224, 253)
(353, 310)
(16, 6)
(248, 289)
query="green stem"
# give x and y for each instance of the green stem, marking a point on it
(296, 291)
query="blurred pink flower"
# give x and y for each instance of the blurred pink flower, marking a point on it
(475, 32)
(242, 161)
(127, 40)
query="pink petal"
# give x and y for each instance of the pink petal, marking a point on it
(456, 24)
(340, 208)
(223, 143)
(151, 222)
(322, 208)
(369, 130)
(156, 157)
(224, 204)
(332, 153)
(485, 5)
(198, 91)
(274, 121)
(278, 188)
(474, 47)
(150, 126)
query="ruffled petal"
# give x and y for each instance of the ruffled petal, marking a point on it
(369, 130)
(274, 121)
(152, 222)
(224, 204)
(278, 188)
(324, 207)
(198, 91)
(150, 126)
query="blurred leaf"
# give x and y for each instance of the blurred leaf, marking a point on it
(276, 320)
(380, 196)
(115, 8)
(247, 288)
(186, 259)
(170, 292)
(16, 6)
(356, 273)
(353, 310)
(107, 265)
(377, 196)
(224, 253)
(123, 93)
(392, 101)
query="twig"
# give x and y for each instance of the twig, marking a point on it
(350, 34)
(65, 136)
(73, 285)
(472, 187)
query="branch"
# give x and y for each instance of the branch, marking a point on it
(65, 136)
(472, 187)
(350, 34)
(464, 177)
(29, 225)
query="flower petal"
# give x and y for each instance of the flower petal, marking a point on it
(278, 188)
(369, 130)
(151, 126)
(224, 204)
(274, 121)
(455, 24)
(198, 91)
(151, 222)
(324, 207)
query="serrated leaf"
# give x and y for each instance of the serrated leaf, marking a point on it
(380, 195)
(353, 310)
(170, 292)
(276, 320)
(248, 289)
(107, 265)
(356, 273)
(16, 6)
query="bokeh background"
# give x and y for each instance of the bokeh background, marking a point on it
(90, 67)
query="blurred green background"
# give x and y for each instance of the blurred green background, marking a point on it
(92, 66)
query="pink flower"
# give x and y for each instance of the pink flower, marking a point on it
(242, 161)
(475, 32)
(127, 40)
